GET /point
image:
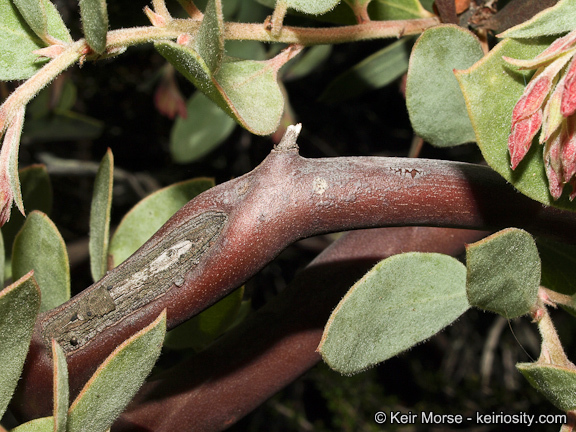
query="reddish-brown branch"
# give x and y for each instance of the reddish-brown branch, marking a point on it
(277, 344)
(287, 198)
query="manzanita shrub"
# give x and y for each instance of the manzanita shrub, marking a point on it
(474, 74)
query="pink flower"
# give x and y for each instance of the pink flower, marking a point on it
(168, 99)
(549, 103)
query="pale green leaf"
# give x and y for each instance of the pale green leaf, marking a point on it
(36, 195)
(558, 19)
(40, 247)
(248, 50)
(205, 127)
(375, 71)
(556, 383)
(503, 273)
(435, 103)
(61, 390)
(117, 380)
(56, 27)
(402, 301)
(210, 40)
(491, 89)
(100, 217)
(252, 95)
(201, 330)
(94, 23)
(312, 7)
(19, 306)
(246, 90)
(378, 10)
(18, 41)
(396, 10)
(34, 13)
(16, 45)
(150, 214)
(44, 424)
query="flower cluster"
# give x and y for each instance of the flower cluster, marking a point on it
(548, 104)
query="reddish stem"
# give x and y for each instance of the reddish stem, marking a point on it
(278, 343)
(284, 199)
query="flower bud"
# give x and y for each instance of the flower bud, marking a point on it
(568, 106)
(552, 165)
(167, 98)
(520, 139)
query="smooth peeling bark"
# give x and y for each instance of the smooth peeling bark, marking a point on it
(284, 199)
(278, 343)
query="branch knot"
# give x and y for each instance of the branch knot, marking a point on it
(288, 141)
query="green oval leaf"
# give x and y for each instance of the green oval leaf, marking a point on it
(44, 424)
(560, 18)
(375, 71)
(312, 7)
(36, 195)
(246, 90)
(34, 13)
(40, 247)
(56, 26)
(95, 23)
(150, 214)
(491, 89)
(19, 305)
(16, 45)
(556, 383)
(205, 127)
(434, 99)
(503, 273)
(396, 10)
(100, 217)
(117, 380)
(210, 40)
(18, 41)
(61, 390)
(402, 301)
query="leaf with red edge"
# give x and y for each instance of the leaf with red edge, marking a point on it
(117, 380)
(61, 389)
(247, 90)
(19, 306)
(555, 20)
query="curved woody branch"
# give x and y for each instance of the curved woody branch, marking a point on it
(227, 234)
(278, 343)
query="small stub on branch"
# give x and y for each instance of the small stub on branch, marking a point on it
(288, 141)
